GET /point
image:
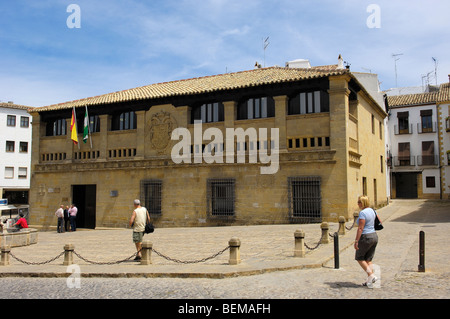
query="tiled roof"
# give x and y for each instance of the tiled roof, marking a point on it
(412, 99)
(441, 96)
(14, 106)
(206, 84)
(444, 93)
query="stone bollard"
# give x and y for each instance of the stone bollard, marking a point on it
(355, 217)
(235, 254)
(146, 253)
(5, 256)
(325, 239)
(299, 250)
(342, 229)
(68, 254)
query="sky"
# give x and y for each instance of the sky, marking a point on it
(52, 52)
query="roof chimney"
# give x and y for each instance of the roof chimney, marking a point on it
(340, 62)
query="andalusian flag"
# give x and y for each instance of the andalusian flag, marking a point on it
(73, 127)
(86, 127)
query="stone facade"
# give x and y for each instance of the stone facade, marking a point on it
(341, 150)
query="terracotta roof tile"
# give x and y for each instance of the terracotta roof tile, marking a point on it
(206, 84)
(412, 99)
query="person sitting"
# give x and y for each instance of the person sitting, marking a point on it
(21, 223)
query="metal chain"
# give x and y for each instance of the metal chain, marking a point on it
(35, 263)
(192, 261)
(104, 263)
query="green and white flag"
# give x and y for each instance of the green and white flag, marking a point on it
(86, 132)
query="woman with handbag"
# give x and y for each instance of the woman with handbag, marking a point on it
(366, 240)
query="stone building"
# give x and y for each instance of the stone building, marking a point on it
(265, 146)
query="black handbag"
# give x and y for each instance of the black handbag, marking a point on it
(378, 225)
(149, 228)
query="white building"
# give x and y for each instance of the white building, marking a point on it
(418, 140)
(444, 136)
(15, 153)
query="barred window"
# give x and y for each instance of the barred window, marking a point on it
(221, 197)
(151, 191)
(305, 199)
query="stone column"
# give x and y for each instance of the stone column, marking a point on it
(68, 254)
(325, 238)
(5, 256)
(299, 244)
(235, 255)
(146, 253)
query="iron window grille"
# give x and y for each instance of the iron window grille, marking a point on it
(221, 198)
(305, 201)
(151, 196)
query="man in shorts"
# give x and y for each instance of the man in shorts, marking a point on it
(138, 220)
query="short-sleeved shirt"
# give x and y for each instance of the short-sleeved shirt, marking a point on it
(368, 214)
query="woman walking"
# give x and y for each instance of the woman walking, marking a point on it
(366, 240)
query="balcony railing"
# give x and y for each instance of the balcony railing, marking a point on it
(421, 160)
(404, 161)
(426, 128)
(427, 160)
(403, 130)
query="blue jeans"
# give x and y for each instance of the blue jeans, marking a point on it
(73, 223)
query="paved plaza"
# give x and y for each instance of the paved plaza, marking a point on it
(268, 269)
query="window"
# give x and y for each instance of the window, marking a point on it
(305, 199)
(9, 172)
(124, 121)
(221, 197)
(404, 154)
(256, 108)
(56, 128)
(428, 157)
(10, 146)
(426, 121)
(23, 147)
(207, 113)
(24, 121)
(94, 124)
(403, 123)
(430, 182)
(382, 163)
(373, 124)
(151, 195)
(309, 102)
(11, 120)
(23, 172)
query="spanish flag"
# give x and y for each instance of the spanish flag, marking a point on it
(73, 127)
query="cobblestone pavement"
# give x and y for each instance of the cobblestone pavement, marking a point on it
(264, 248)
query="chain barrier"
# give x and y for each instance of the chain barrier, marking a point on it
(36, 263)
(158, 253)
(121, 261)
(192, 261)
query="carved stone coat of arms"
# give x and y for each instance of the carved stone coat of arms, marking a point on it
(162, 125)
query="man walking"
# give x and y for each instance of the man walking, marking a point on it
(138, 220)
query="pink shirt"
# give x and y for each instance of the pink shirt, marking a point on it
(73, 211)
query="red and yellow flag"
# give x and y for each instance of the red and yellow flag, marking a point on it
(73, 127)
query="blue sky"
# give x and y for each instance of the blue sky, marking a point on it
(126, 44)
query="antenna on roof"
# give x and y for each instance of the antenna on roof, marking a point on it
(266, 43)
(396, 58)
(435, 69)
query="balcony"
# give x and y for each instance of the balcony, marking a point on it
(421, 160)
(426, 128)
(401, 161)
(428, 160)
(403, 130)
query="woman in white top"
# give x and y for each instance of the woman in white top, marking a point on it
(366, 239)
